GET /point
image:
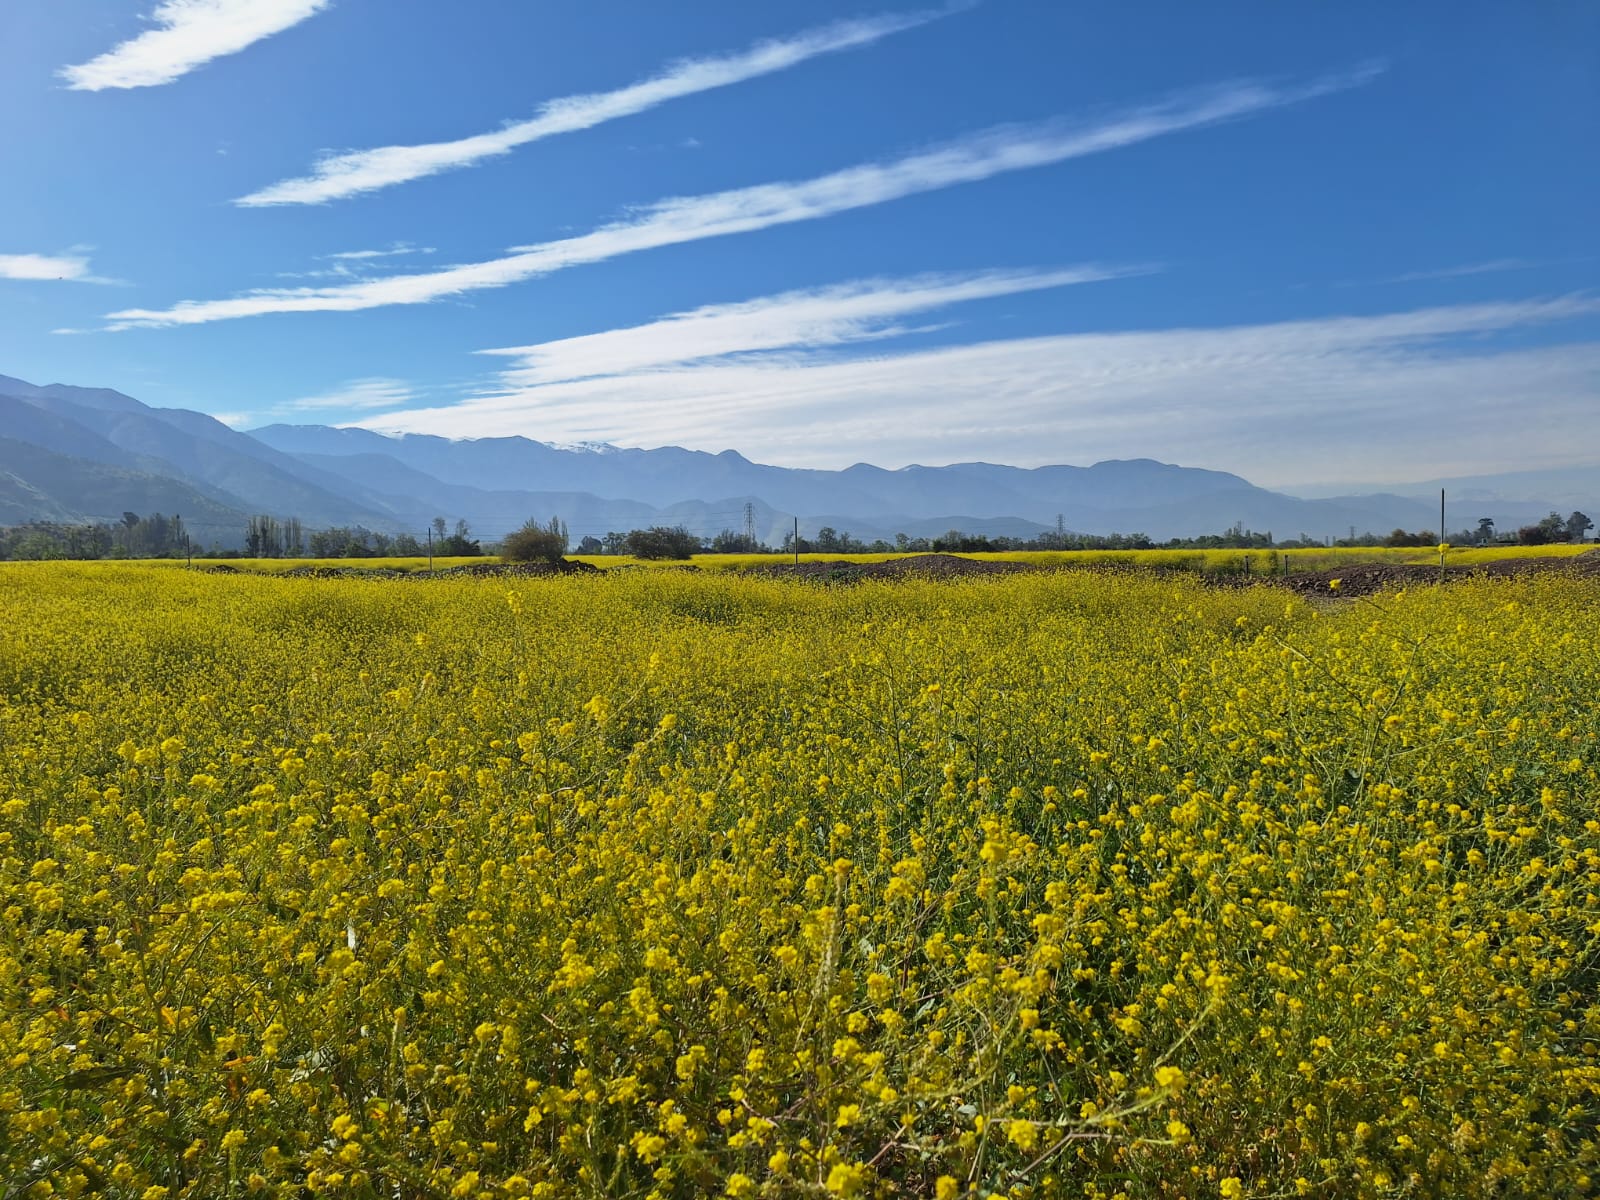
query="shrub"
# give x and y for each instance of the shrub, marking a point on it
(536, 543)
(660, 541)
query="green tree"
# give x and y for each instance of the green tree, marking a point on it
(1424, 537)
(1577, 525)
(263, 537)
(460, 544)
(130, 522)
(731, 541)
(661, 541)
(1552, 528)
(536, 543)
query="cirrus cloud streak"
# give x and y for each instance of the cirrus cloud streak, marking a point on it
(357, 395)
(1274, 402)
(189, 34)
(862, 310)
(742, 210)
(339, 176)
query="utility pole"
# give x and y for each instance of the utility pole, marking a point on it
(797, 541)
(749, 526)
(1441, 535)
(430, 549)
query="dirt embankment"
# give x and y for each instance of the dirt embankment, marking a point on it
(1363, 579)
(472, 570)
(1355, 579)
(923, 566)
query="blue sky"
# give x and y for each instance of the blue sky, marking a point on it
(1300, 242)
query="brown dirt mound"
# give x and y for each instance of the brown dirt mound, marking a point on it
(472, 570)
(1355, 579)
(321, 572)
(520, 570)
(924, 566)
(1364, 579)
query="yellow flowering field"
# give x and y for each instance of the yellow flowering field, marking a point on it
(664, 884)
(1473, 555)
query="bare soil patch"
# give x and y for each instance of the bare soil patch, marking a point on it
(1364, 579)
(922, 566)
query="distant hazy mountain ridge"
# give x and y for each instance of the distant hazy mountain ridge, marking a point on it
(89, 454)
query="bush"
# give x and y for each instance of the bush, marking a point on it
(659, 541)
(536, 543)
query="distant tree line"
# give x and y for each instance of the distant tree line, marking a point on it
(1553, 528)
(677, 542)
(266, 536)
(1549, 530)
(549, 542)
(263, 536)
(155, 536)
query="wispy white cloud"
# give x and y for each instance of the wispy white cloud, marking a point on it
(1492, 266)
(718, 214)
(188, 34)
(358, 264)
(72, 268)
(338, 176)
(359, 395)
(859, 311)
(399, 250)
(1275, 402)
(356, 396)
(1482, 268)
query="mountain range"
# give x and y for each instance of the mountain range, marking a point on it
(80, 454)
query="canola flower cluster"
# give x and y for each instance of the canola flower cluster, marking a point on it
(665, 885)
